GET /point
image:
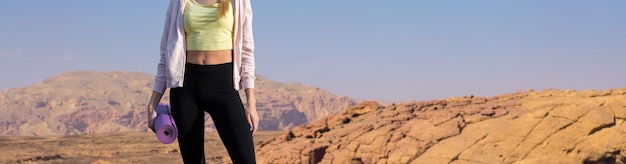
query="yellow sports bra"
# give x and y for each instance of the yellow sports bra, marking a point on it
(205, 29)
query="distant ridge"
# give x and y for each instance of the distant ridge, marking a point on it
(84, 102)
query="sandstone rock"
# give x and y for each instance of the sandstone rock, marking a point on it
(553, 126)
(100, 162)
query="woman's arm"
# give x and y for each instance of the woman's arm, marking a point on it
(251, 112)
(248, 75)
(247, 53)
(155, 98)
(159, 79)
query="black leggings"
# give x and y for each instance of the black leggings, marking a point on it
(209, 88)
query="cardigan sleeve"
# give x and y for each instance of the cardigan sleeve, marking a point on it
(247, 54)
(160, 78)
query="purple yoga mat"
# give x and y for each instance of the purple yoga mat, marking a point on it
(164, 125)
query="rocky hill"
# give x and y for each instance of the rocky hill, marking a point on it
(85, 102)
(554, 126)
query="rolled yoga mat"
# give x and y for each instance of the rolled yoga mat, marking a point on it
(164, 125)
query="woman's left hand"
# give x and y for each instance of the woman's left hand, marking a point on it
(253, 118)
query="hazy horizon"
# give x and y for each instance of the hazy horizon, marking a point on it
(406, 50)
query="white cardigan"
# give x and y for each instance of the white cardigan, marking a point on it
(171, 67)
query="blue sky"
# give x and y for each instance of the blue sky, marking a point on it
(397, 50)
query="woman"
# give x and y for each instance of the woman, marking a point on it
(207, 55)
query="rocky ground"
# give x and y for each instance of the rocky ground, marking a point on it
(554, 126)
(112, 148)
(557, 126)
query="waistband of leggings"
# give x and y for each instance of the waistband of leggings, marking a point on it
(200, 67)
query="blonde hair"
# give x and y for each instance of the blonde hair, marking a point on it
(223, 8)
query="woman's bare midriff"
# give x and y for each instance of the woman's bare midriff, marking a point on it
(209, 57)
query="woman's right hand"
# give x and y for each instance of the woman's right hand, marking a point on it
(154, 100)
(151, 117)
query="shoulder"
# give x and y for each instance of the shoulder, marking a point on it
(176, 2)
(175, 5)
(245, 3)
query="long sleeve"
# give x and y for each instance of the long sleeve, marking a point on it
(160, 78)
(248, 75)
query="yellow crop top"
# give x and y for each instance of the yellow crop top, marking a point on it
(205, 29)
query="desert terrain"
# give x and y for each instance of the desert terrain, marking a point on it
(121, 147)
(552, 126)
(101, 123)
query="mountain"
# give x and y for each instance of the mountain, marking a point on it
(550, 126)
(86, 102)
